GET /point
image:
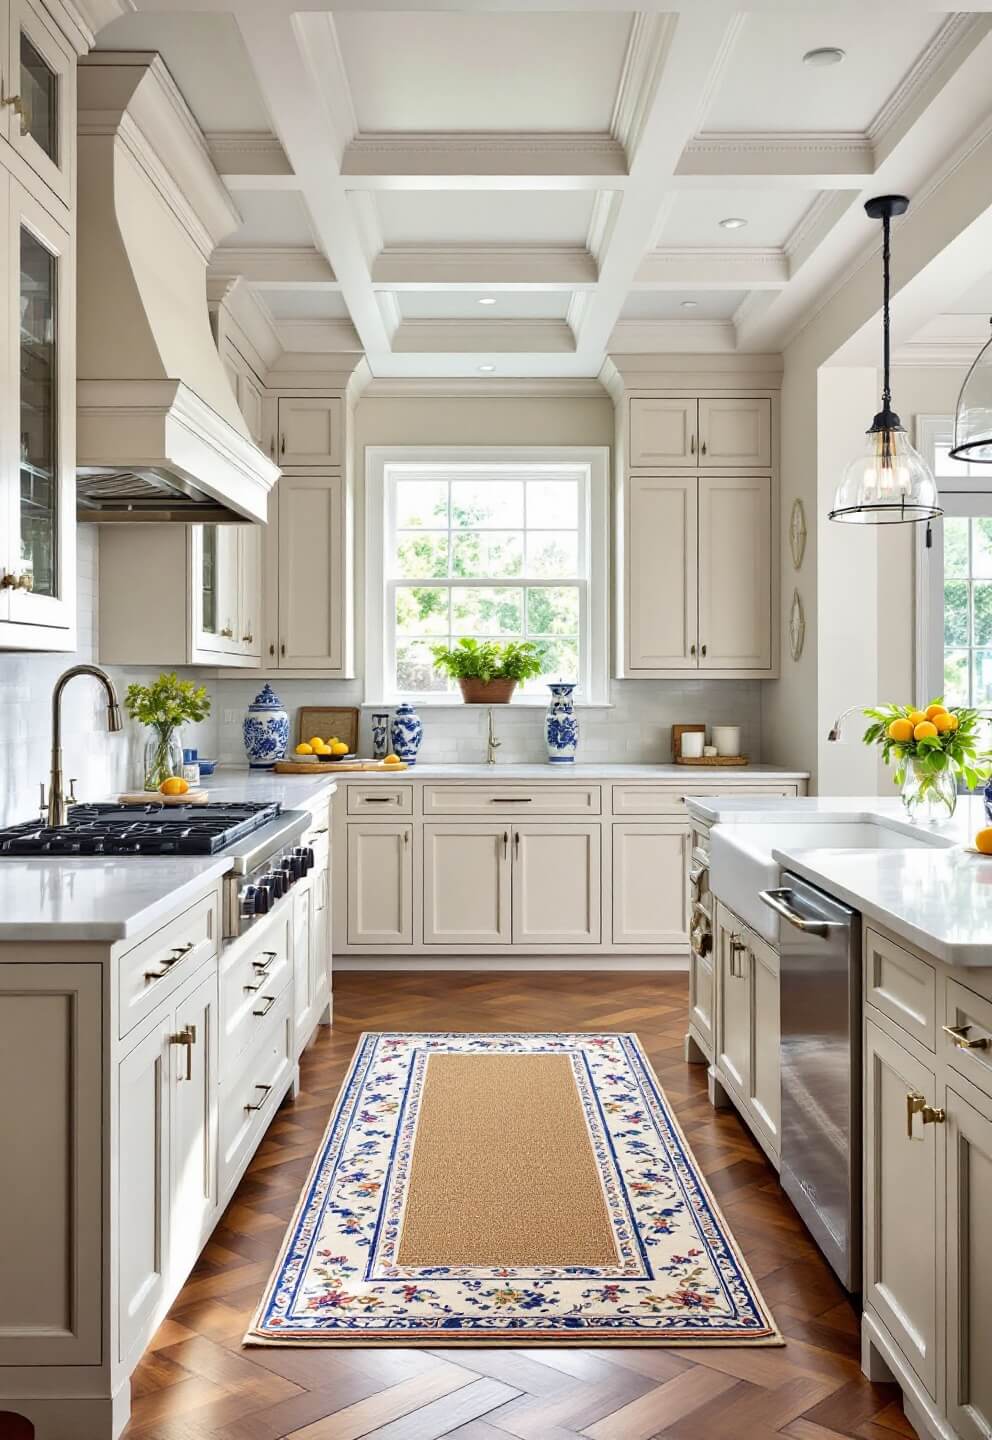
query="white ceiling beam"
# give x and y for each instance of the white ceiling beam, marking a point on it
(251, 160)
(711, 268)
(807, 161)
(485, 337)
(659, 337)
(311, 337)
(483, 267)
(275, 267)
(418, 161)
(301, 75)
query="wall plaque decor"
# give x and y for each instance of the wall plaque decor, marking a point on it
(797, 533)
(797, 626)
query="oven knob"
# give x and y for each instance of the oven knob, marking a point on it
(305, 856)
(263, 900)
(248, 897)
(289, 876)
(277, 880)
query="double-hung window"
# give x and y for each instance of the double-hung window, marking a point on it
(504, 544)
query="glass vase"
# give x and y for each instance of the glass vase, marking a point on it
(930, 797)
(163, 756)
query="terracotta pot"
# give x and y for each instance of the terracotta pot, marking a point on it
(486, 692)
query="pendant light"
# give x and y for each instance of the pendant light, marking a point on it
(973, 417)
(890, 482)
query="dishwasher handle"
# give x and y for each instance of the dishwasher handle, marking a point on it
(777, 900)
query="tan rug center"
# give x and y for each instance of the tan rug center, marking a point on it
(503, 1169)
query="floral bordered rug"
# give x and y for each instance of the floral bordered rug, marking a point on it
(470, 1200)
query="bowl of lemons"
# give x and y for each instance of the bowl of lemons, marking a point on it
(323, 750)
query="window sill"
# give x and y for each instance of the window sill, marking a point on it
(453, 703)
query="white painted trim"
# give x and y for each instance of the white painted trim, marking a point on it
(508, 267)
(688, 267)
(275, 267)
(594, 621)
(567, 160)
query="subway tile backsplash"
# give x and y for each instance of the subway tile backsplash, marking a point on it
(636, 728)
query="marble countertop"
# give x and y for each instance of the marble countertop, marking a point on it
(939, 898)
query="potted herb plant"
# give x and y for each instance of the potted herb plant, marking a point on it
(488, 672)
(165, 705)
(933, 750)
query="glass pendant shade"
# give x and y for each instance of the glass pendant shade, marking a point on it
(973, 418)
(889, 482)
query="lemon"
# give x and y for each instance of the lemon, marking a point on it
(304, 749)
(934, 710)
(900, 730)
(954, 721)
(319, 748)
(315, 740)
(175, 785)
(945, 722)
(925, 730)
(983, 840)
(338, 747)
(916, 717)
(392, 760)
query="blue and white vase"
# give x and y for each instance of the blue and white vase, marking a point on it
(266, 730)
(561, 728)
(406, 732)
(380, 736)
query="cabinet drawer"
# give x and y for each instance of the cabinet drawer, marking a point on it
(380, 799)
(254, 971)
(902, 986)
(970, 1015)
(152, 970)
(522, 800)
(670, 799)
(251, 1094)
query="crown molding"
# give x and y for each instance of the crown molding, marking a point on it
(315, 371)
(958, 32)
(643, 64)
(243, 317)
(815, 225)
(662, 337)
(626, 373)
(830, 156)
(684, 268)
(452, 267)
(274, 267)
(470, 155)
(243, 155)
(605, 209)
(485, 387)
(318, 337)
(467, 337)
(934, 356)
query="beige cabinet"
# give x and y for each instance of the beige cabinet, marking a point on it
(227, 599)
(701, 995)
(969, 1261)
(310, 432)
(900, 1183)
(748, 1026)
(556, 884)
(39, 83)
(733, 1040)
(764, 1088)
(305, 996)
(306, 555)
(697, 584)
(194, 1125)
(650, 894)
(467, 883)
(732, 432)
(380, 884)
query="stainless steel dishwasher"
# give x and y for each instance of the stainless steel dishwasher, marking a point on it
(821, 1068)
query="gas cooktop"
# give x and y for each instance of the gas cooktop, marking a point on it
(152, 829)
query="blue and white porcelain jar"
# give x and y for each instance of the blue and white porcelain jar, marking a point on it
(266, 730)
(561, 729)
(380, 735)
(406, 732)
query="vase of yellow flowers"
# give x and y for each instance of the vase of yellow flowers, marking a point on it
(933, 752)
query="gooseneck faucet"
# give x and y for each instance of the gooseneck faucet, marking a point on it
(834, 732)
(58, 805)
(492, 744)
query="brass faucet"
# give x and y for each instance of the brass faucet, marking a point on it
(492, 744)
(58, 804)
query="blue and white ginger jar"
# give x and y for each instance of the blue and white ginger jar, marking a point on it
(406, 731)
(561, 728)
(266, 730)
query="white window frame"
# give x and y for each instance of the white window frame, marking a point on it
(594, 618)
(971, 495)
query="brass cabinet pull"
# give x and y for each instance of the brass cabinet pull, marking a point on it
(187, 1037)
(916, 1104)
(959, 1037)
(268, 1001)
(180, 950)
(227, 632)
(737, 947)
(167, 965)
(262, 965)
(16, 103)
(9, 581)
(265, 1095)
(248, 639)
(250, 989)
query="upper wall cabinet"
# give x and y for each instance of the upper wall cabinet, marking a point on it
(719, 432)
(310, 432)
(39, 89)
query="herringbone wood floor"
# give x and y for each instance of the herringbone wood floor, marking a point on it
(197, 1383)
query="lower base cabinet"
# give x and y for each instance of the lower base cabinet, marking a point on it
(747, 1026)
(380, 884)
(969, 1262)
(556, 885)
(650, 897)
(467, 884)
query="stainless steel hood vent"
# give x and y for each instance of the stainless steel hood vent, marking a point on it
(159, 433)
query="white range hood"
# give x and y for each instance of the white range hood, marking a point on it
(159, 434)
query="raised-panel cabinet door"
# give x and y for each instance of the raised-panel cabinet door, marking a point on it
(248, 633)
(194, 1046)
(735, 584)
(41, 83)
(733, 1045)
(650, 894)
(144, 1183)
(662, 433)
(304, 1016)
(660, 580)
(380, 884)
(467, 884)
(51, 1162)
(556, 884)
(701, 996)
(969, 1265)
(765, 1076)
(310, 432)
(311, 560)
(900, 1225)
(735, 432)
(320, 936)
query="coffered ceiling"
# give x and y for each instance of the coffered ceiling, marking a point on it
(526, 187)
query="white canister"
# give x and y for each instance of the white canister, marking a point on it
(692, 744)
(727, 739)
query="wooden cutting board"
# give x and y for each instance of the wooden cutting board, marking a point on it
(152, 797)
(307, 767)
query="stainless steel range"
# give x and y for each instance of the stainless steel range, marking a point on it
(261, 839)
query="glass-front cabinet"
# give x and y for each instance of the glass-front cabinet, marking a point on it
(227, 599)
(37, 555)
(39, 96)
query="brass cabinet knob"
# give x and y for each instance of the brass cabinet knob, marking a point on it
(916, 1104)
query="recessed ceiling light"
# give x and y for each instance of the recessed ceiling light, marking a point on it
(733, 222)
(487, 300)
(823, 55)
(689, 304)
(487, 369)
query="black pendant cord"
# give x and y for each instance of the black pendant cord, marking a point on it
(886, 387)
